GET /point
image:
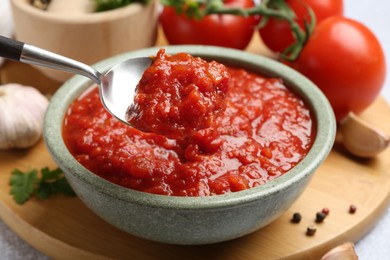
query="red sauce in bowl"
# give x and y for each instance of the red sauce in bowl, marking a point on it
(178, 95)
(263, 132)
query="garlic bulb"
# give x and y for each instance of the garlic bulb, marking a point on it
(22, 111)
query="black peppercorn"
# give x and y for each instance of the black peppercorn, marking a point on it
(352, 209)
(320, 216)
(296, 218)
(311, 230)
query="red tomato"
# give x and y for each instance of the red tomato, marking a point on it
(277, 33)
(346, 61)
(221, 30)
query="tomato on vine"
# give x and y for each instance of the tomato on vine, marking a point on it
(340, 55)
(346, 61)
(226, 30)
(277, 34)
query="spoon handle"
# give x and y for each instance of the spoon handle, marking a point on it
(10, 49)
(19, 51)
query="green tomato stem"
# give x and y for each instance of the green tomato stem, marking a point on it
(267, 9)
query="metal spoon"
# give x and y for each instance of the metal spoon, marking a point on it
(117, 86)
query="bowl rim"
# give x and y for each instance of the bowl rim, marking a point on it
(321, 147)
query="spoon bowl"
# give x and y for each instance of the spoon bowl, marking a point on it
(116, 87)
(125, 77)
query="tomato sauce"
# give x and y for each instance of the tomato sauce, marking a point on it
(178, 95)
(263, 131)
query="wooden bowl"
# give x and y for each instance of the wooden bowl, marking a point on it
(86, 37)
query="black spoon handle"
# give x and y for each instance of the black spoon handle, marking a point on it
(10, 49)
(19, 51)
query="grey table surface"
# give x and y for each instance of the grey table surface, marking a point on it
(375, 245)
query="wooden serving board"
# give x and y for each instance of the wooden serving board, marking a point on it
(64, 228)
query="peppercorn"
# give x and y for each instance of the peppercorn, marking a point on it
(320, 216)
(311, 230)
(352, 209)
(296, 218)
(325, 211)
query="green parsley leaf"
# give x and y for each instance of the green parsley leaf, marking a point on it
(23, 185)
(27, 184)
(106, 5)
(50, 175)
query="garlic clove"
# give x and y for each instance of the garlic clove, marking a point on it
(22, 111)
(362, 139)
(345, 251)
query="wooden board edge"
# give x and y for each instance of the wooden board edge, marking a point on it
(41, 241)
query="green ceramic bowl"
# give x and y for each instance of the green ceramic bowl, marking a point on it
(192, 220)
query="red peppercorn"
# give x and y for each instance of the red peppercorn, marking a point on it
(325, 211)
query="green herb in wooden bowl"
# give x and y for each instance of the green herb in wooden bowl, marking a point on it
(105, 5)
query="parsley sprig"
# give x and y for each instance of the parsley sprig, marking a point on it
(24, 185)
(105, 5)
